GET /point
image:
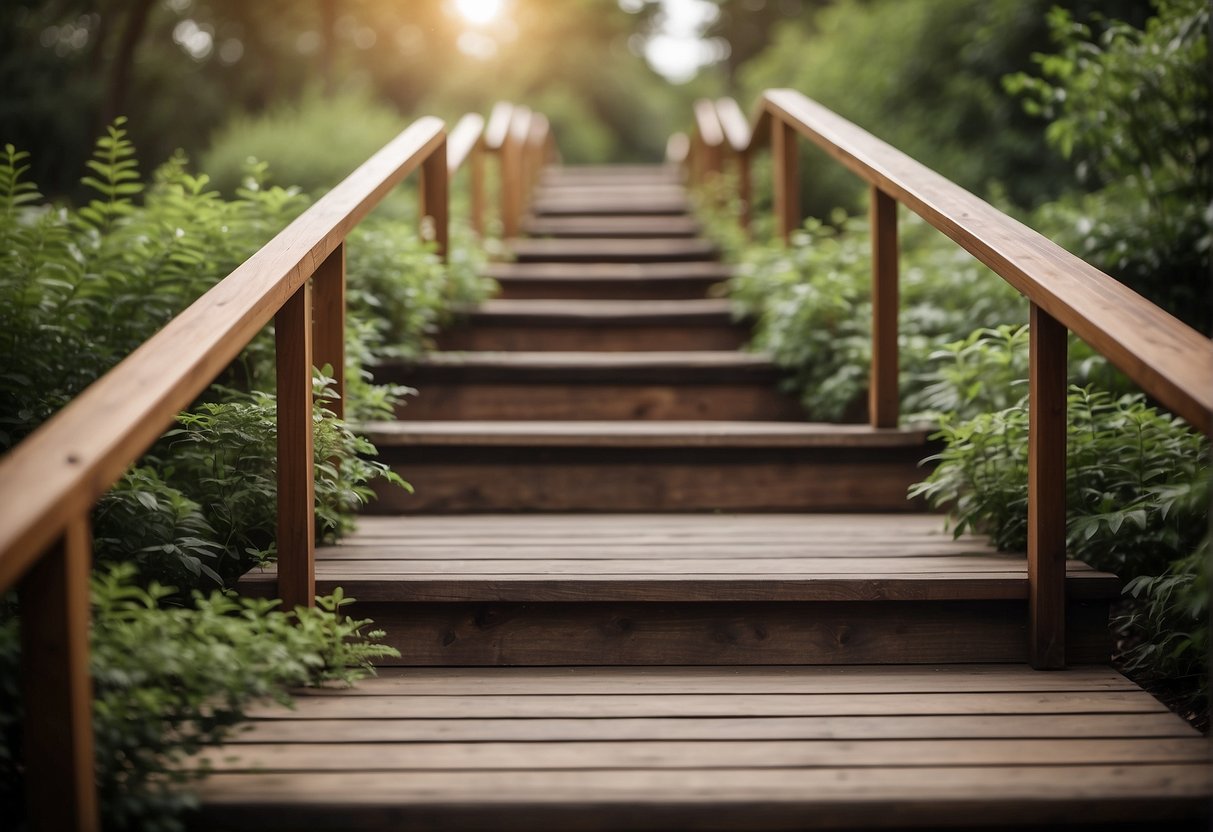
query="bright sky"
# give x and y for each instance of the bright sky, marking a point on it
(678, 49)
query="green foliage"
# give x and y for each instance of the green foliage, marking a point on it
(812, 304)
(924, 75)
(1131, 109)
(313, 142)
(170, 680)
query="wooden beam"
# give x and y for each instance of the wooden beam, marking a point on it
(787, 178)
(435, 199)
(883, 399)
(1047, 492)
(296, 485)
(57, 688)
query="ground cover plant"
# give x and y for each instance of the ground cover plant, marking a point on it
(175, 660)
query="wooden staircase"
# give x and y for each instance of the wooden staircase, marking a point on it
(635, 590)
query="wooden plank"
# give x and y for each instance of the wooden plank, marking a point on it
(435, 201)
(462, 141)
(640, 434)
(610, 271)
(296, 525)
(884, 395)
(1053, 727)
(603, 206)
(624, 226)
(786, 160)
(670, 312)
(712, 631)
(1047, 491)
(491, 706)
(678, 680)
(1169, 359)
(602, 756)
(56, 687)
(562, 334)
(611, 249)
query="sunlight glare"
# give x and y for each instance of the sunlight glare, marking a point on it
(479, 12)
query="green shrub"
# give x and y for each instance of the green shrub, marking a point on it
(812, 304)
(313, 143)
(170, 680)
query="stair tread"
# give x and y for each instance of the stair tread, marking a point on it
(626, 557)
(695, 269)
(623, 311)
(620, 249)
(642, 434)
(618, 226)
(673, 360)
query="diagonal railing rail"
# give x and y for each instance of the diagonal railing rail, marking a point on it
(1168, 359)
(51, 481)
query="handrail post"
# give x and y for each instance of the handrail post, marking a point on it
(328, 323)
(60, 779)
(745, 189)
(883, 399)
(1046, 491)
(787, 178)
(435, 198)
(477, 175)
(296, 486)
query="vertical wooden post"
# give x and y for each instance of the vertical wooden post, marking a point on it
(60, 779)
(882, 385)
(787, 178)
(510, 185)
(435, 198)
(1047, 492)
(477, 176)
(745, 189)
(296, 486)
(328, 323)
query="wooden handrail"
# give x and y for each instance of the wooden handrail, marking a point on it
(50, 482)
(465, 145)
(1165, 357)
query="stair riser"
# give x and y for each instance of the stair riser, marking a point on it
(458, 480)
(490, 336)
(726, 634)
(441, 401)
(689, 289)
(604, 255)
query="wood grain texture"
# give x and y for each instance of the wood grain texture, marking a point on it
(296, 538)
(1047, 490)
(60, 788)
(58, 472)
(786, 170)
(884, 395)
(1169, 359)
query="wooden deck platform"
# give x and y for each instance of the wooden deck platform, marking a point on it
(714, 748)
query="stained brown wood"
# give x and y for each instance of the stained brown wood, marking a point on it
(463, 141)
(328, 324)
(593, 205)
(435, 200)
(623, 226)
(883, 393)
(786, 157)
(1047, 490)
(1169, 359)
(608, 281)
(611, 250)
(57, 688)
(296, 491)
(640, 434)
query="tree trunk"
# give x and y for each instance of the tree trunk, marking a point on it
(124, 60)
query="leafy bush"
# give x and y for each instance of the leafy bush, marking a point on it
(812, 304)
(170, 680)
(313, 143)
(1131, 109)
(1137, 495)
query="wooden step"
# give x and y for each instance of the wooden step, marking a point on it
(624, 226)
(611, 250)
(591, 204)
(629, 326)
(592, 385)
(608, 281)
(652, 466)
(719, 748)
(694, 589)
